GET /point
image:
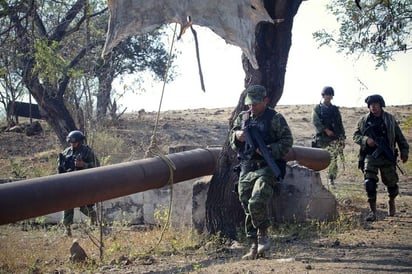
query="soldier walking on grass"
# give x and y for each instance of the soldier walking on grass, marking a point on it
(378, 133)
(262, 137)
(330, 133)
(77, 156)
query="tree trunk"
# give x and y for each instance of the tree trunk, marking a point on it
(48, 96)
(105, 76)
(224, 213)
(52, 108)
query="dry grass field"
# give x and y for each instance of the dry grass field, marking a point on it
(347, 245)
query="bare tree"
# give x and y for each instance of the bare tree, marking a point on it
(11, 86)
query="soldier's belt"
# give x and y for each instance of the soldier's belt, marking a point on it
(253, 165)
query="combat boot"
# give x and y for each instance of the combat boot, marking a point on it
(372, 214)
(331, 180)
(67, 231)
(252, 254)
(264, 241)
(93, 218)
(392, 208)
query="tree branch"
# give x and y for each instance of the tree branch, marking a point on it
(61, 30)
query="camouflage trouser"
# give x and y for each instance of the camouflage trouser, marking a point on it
(335, 148)
(87, 210)
(387, 171)
(255, 191)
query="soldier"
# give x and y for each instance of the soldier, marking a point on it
(330, 133)
(256, 178)
(378, 133)
(77, 156)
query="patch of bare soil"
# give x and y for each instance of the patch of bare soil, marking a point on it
(384, 246)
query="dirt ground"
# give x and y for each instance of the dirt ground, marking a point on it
(384, 246)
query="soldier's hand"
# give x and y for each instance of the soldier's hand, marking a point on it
(260, 153)
(79, 163)
(240, 135)
(370, 142)
(329, 132)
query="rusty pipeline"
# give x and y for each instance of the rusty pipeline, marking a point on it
(44, 195)
(40, 196)
(314, 158)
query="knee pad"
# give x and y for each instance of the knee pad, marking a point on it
(370, 187)
(393, 191)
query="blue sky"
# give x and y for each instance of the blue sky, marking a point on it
(309, 69)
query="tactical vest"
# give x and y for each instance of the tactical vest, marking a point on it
(329, 117)
(375, 127)
(250, 160)
(263, 124)
(70, 155)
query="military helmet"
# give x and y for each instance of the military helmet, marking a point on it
(328, 91)
(75, 136)
(376, 98)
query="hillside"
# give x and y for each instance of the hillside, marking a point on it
(348, 246)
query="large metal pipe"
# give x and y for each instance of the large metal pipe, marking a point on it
(313, 158)
(40, 196)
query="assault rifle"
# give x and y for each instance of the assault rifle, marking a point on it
(382, 147)
(387, 152)
(254, 140)
(66, 164)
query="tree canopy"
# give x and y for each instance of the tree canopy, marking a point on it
(379, 28)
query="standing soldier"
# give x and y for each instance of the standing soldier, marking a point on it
(261, 165)
(77, 156)
(378, 133)
(330, 133)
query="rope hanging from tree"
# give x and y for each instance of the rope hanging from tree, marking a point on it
(154, 150)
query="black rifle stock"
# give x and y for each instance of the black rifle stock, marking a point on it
(66, 164)
(61, 166)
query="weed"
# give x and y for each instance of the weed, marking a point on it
(196, 266)
(161, 215)
(17, 169)
(105, 145)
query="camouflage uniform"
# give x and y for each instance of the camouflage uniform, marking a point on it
(256, 179)
(91, 161)
(387, 127)
(323, 117)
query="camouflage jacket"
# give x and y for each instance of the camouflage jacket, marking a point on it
(323, 117)
(278, 135)
(394, 133)
(66, 159)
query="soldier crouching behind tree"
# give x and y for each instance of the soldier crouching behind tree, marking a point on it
(262, 137)
(378, 133)
(77, 156)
